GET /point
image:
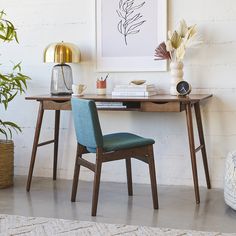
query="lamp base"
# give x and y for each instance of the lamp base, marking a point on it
(61, 81)
(60, 94)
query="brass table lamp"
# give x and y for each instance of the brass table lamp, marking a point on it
(61, 81)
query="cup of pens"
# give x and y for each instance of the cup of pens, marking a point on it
(102, 85)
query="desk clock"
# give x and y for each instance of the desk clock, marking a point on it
(183, 88)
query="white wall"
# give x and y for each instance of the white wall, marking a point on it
(210, 69)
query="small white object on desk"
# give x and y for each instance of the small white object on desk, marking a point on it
(78, 89)
(132, 90)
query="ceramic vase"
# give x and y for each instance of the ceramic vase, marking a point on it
(176, 71)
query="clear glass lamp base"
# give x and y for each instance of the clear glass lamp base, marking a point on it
(61, 81)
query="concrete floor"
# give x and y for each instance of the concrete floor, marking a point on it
(177, 205)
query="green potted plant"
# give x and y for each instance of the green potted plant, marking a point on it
(10, 85)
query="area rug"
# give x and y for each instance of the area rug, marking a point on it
(11, 225)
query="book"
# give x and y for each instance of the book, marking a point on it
(151, 89)
(133, 94)
(110, 105)
(134, 86)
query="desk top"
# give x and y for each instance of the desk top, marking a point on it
(157, 98)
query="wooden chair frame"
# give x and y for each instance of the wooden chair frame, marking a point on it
(144, 153)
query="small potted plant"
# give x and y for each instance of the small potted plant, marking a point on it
(174, 50)
(10, 85)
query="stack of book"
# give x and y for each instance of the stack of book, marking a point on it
(132, 90)
(110, 105)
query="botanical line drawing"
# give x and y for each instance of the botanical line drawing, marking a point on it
(129, 20)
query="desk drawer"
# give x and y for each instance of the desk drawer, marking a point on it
(52, 105)
(161, 106)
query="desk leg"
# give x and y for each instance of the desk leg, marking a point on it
(192, 150)
(56, 139)
(35, 144)
(202, 142)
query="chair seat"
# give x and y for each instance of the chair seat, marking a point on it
(119, 141)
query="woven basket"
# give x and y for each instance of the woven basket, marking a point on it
(6, 163)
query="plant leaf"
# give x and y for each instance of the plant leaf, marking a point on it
(134, 32)
(119, 27)
(183, 28)
(176, 40)
(137, 7)
(3, 132)
(180, 52)
(134, 26)
(161, 53)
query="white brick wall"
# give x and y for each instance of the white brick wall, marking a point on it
(210, 69)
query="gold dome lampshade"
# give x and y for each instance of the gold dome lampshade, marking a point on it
(61, 81)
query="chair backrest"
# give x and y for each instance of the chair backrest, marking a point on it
(87, 126)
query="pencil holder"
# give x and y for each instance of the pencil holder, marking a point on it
(101, 87)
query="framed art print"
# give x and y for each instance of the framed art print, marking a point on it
(128, 31)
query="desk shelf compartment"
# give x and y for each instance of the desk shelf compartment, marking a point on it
(125, 106)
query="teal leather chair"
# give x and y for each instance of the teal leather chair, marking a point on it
(109, 147)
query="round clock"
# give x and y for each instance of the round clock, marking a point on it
(183, 88)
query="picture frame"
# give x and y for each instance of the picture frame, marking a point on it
(127, 34)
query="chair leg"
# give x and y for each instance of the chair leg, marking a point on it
(76, 175)
(96, 185)
(129, 176)
(152, 171)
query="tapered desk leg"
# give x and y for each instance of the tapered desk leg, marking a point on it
(192, 150)
(56, 139)
(202, 142)
(35, 144)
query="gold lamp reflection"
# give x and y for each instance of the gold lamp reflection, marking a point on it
(62, 53)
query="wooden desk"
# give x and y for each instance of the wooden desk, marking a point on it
(159, 103)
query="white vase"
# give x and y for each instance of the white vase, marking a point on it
(176, 71)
